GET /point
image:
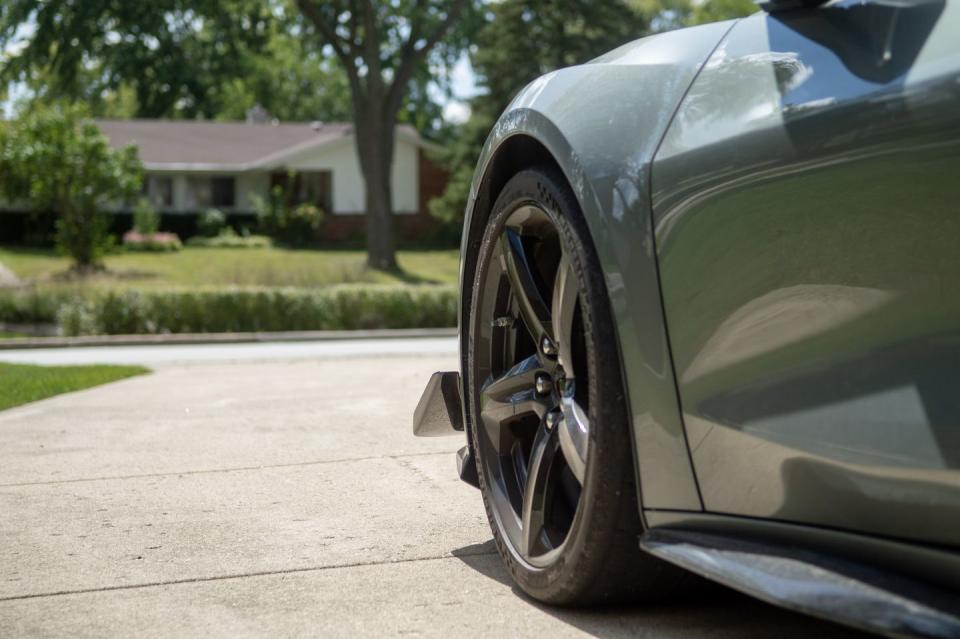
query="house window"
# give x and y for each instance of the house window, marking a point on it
(160, 191)
(311, 187)
(216, 191)
(223, 191)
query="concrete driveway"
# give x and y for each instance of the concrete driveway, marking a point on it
(275, 495)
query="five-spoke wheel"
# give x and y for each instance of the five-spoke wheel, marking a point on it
(545, 407)
(535, 427)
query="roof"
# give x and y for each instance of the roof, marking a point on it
(233, 146)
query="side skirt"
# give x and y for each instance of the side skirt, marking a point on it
(807, 579)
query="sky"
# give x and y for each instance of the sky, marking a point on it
(463, 86)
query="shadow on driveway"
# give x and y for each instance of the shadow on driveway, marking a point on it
(711, 610)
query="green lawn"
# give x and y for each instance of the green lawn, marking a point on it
(194, 266)
(22, 383)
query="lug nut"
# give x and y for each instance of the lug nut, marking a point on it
(547, 346)
(551, 420)
(543, 384)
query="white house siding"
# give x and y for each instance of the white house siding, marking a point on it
(340, 158)
(349, 195)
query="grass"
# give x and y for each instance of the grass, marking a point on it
(23, 383)
(217, 267)
(10, 334)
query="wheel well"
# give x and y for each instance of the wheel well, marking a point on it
(515, 154)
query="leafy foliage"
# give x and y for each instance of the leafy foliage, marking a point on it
(146, 220)
(172, 55)
(56, 160)
(211, 223)
(715, 10)
(289, 223)
(228, 238)
(345, 307)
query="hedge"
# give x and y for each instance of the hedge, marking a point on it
(342, 307)
(31, 306)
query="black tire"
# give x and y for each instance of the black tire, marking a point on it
(598, 559)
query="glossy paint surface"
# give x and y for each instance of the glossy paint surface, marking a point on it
(601, 122)
(807, 216)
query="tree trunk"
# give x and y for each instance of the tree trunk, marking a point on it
(374, 137)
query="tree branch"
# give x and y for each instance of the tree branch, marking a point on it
(411, 55)
(343, 50)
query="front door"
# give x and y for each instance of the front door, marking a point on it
(807, 217)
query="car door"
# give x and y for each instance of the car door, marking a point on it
(806, 207)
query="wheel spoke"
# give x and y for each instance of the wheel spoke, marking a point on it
(510, 395)
(565, 295)
(520, 377)
(574, 433)
(526, 286)
(536, 491)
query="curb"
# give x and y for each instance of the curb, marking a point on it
(219, 338)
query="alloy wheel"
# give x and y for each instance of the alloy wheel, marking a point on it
(530, 362)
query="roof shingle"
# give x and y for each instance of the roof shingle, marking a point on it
(224, 145)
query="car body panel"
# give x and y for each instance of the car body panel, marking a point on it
(663, 137)
(601, 122)
(805, 205)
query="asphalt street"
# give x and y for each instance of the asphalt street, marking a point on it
(258, 489)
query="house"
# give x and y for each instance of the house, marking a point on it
(191, 166)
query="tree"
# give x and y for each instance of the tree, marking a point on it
(203, 58)
(54, 159)
(171, 54)
(520, 41)
(381, 47)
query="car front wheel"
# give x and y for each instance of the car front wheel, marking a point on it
(546, 408)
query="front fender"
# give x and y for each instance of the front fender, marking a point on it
(601, 123)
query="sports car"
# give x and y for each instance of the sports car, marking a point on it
(710, 318)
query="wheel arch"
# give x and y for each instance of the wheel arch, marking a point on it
(536, 142)
(523, 139)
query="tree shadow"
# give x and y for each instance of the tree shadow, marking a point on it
(708, 610)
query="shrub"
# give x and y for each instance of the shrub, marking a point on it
(211, 223)
(228, 238)
(32, 305)
(159, 242)
(146, 220)
(291, 225)
(344, 307)
(55, 159)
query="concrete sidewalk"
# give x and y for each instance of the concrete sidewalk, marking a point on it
(274, 498)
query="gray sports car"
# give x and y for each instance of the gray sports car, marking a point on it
(710, 318)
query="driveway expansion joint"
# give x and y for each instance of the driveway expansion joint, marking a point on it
(262, 573)
(238, 469)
